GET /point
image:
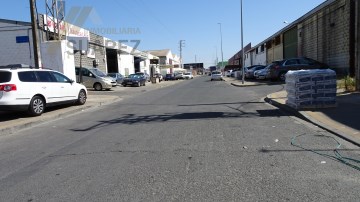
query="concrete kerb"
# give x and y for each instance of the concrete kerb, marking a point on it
(247, 85)
(302, 115)
(238, 83)
(63, 112)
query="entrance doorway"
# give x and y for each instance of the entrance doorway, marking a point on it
(112, 61)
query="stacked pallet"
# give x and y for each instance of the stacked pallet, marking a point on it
(309, 89)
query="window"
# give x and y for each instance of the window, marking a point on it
(291, 62)
(277, 40)
(60, 78)
(306, 61)
(45, 76)
(5, 76)
(263, 48)
(268, 44)
(28, 76)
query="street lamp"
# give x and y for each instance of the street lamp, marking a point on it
(222, 54)
(242, 45)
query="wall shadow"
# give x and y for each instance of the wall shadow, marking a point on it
(132, 119)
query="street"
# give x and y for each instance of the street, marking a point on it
(198, 140)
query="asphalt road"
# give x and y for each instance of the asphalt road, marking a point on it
(194, 141)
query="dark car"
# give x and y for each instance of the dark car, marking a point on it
(117, 76)
(169, 77)
(249, 71)
(134, 80)
(147, 76)
(279, 68)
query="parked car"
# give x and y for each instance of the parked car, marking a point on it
(179, 76)
(33, 90)
(188, 75)
(262, 73)
(280, 68)
(169, 77)
(216, 75)
(117, 76)
(134, 80)
(145, 75)
(159, 76)
(95, 78)
(249, 72)
(228, 73)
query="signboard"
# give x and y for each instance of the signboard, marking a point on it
(91, 53)
(66, 29)
(154, 61)
(79, 43)
(22, 39)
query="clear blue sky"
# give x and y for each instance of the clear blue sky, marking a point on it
(160, 24)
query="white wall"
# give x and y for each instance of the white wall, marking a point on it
(126, 62)
(12, 52)
(260, 58)
(247, 59)
(57, 55)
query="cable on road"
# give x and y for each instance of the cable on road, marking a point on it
(354, 163)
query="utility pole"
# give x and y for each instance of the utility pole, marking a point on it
(242, 44)
(35, 37)
(195, 59)
(181, 45)
(221, 45)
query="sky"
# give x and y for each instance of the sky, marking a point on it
(161, 24)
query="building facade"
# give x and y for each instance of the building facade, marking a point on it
(329, 33)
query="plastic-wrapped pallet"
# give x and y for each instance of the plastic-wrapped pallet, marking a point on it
(311, 88)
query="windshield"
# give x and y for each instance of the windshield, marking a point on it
(134, 76)
(98, 72)
(187, 73)
(216, 73)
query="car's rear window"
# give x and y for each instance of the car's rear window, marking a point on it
(28, 76)
(5, 76)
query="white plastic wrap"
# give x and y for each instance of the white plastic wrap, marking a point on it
(311, 88)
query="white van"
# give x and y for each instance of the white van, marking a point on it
(95, 78)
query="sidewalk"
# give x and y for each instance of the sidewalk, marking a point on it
(238, 82)
(342, 120)
(11, 122)
(14, 121)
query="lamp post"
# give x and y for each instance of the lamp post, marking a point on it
(222, 54)
(242, 45)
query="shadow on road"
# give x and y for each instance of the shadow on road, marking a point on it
(132, 119)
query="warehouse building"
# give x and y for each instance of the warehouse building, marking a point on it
(329, 33)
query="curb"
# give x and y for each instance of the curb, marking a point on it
(251, 85)
(303, 116)
(45, 118)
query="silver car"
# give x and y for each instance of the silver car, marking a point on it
(117, 76)
(216, 75)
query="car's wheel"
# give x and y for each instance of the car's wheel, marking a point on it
(81, 97)
(211, 80)
(37, 106)
(144, 84)
(282, 76)
(97, 86)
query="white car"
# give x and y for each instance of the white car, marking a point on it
(33, 89)
(188, 75)
(216, 75)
